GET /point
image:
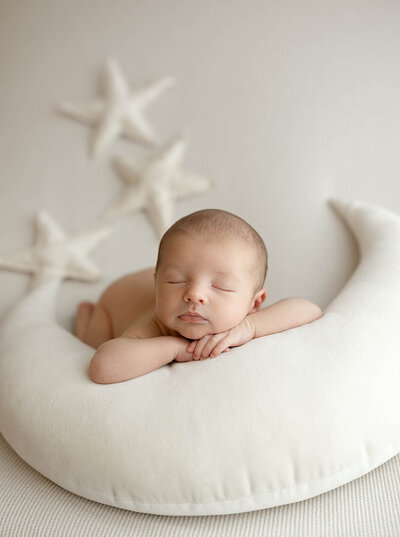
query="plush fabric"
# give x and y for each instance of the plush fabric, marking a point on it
(153, 184)
(366, 507)
(281, 419)
(118, 110)
(56, 253)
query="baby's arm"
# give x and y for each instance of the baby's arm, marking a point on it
(139, 350)
(125, 358)
(285, 314)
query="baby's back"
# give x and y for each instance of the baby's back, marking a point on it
(129, 299)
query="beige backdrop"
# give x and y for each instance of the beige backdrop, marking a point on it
(283, 103)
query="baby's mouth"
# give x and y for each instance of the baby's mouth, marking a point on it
(191, 318)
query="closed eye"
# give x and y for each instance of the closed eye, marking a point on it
(222, 289)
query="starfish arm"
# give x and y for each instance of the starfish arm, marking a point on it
(127, 169)
(108, 130)
(136, 128)
(171, 156)
(114, 85)
(184, 184)
(143, 97)
(48, 231)
(85, 243)
(129, 200)
(159, 210)
(86, 112)
(82, 269)
(23, 262)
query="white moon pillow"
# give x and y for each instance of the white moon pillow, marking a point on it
(278, 420)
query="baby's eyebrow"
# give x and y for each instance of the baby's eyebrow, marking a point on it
(171, 265)
(228, 274)
(220, 272)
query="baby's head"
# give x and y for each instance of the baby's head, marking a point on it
(214, 264)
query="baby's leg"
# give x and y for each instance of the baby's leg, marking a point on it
(92, 324)
(82, 317)
(123, 302)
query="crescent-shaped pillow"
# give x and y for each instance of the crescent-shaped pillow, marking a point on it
(281, 419)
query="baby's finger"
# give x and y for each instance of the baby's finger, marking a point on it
(221, 347)
(199, 347)
(215, 356)
(191, 345)
(211, 343)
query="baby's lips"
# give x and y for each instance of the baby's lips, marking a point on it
(191, 313)
(191, 317)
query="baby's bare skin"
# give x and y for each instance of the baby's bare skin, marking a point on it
(205, 299)
(127, 304)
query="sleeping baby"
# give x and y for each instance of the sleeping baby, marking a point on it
(202, 298)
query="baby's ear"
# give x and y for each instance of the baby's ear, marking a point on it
(259, 298)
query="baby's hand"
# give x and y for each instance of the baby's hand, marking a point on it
(211, 345)
(182, 354)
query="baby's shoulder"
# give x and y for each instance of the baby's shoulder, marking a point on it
(144, 327)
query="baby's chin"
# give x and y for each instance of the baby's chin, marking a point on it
(194, 331)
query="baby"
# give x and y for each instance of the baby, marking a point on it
(202, 298)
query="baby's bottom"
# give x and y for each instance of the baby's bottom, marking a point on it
(92, 324)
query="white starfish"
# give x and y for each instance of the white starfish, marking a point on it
(56, 254)
(153, 184)
(118, 111)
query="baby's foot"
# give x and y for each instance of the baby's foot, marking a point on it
(83, 313)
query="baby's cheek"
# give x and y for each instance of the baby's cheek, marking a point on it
(227, 322)
(164, 312)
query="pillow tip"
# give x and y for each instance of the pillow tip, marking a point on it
(337, 204)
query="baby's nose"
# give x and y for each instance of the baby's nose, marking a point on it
(195, 293)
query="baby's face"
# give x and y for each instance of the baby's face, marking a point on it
(206, 277)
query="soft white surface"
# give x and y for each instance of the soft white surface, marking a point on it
(281, 419)
(366, 507)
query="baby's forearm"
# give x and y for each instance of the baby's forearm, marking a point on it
(126, 358)
(285, 314)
